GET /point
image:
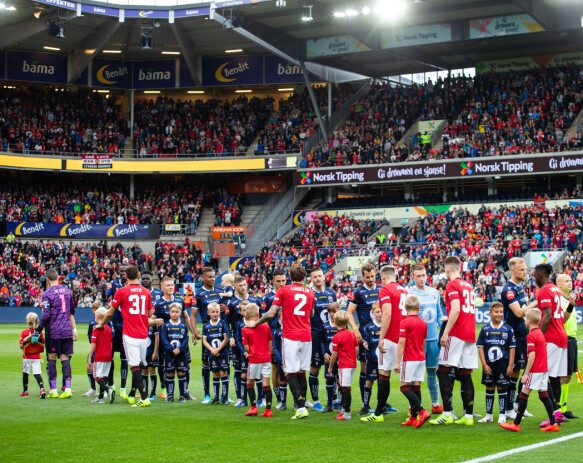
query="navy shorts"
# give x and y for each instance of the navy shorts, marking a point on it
(334, 372)
(317, 355)
(220, 363)
(240, 363)
(149, 362)
(175, 362)
(60, 346)
(372, 369)
(498, 376)
(362, 353)
(520, 354)
(118, 342)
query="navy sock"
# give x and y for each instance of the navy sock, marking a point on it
(216, 387)
(182, 386)
(124, 373)
(91, 380)
(170, 385)
(206, 379)
(224, 388)
(361, 384)
(314, 382)
(259, 391)
(154, 382)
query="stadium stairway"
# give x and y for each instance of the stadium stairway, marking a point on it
(435, 137)
(576, 126)
(129, 148)
(207, 220)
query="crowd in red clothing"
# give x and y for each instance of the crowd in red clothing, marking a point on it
(48, 120)
(182, 261)
(227, 208)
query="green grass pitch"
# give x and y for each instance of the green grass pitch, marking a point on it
(76, 430)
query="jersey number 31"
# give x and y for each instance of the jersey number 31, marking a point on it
(138, 306)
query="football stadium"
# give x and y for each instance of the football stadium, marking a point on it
(291, 230)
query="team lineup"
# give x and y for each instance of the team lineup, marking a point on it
(265, 345)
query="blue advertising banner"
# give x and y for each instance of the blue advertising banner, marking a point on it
(60, 4)
(111, 73)
(101, 10)
(37, 67)
(236, 263)
(279, 71)
(155, 74)
(159, 14)
(189, 12)
(186, 79)
(71, 230)
(234, 70)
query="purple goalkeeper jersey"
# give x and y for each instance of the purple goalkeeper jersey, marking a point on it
(57, 305)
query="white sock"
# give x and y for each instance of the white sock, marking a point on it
(470, 416)
(447, 413)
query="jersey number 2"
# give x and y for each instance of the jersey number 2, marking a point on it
(303, 299)
(138, 304)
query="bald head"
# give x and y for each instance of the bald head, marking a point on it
(565, 283)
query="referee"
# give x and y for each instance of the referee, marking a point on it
(565, 284)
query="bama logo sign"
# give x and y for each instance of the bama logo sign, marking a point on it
(279, 71)
(155, 74)
(37, 67)
(237, 70)
(111, 73)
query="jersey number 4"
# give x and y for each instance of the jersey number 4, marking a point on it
(138, 306)
(302, 300)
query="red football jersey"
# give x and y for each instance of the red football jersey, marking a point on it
(135, 303)
(414, 330)
(32, 351)
(549, 297)
(258, 341)
(465, 326)
(344, 342)
(296, 302)
(102, 338)
(535, 342)
(396, 295)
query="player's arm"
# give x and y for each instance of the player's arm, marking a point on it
(570, 307)
(546, 319)
(517, 310)
(385, 323)
(156, 346)
(352, 321)
(205, 343)
(90, 354)
(164, 338)
(45, 315)
(74, 327)
(454, 313)
(511, 357)
(184, 344)
(529, 363)
(191, 328)
(272, 312)
(332, 361)
(482, 355)
(223, 343)
(400, 349)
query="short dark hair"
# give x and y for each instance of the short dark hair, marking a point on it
(239, 279)
(545, 269)
(132, 272)
(496, 305)
(453, 260)
(278, 272)
(146, 272)
(52, 274)
(297, 274)
(368, 267)
(207, 270)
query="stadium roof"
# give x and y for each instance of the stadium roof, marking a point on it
(263, 27)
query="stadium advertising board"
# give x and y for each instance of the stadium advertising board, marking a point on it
(234, 70)
(415, 35)
(65, 4)
(503, 25)
(237, 263)
(89, 231)
(100, 10)
(530, 62)
(97, 161)
(436, 170)
(154, 74)
(143, 14)
(190, 12)
(279, 71)
(111, 73)
(227, 232)
(37, 67)
(335, 45)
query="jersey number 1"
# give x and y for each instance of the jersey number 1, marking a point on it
(138, 304)
(303, 299)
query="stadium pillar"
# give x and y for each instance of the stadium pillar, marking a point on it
(329, 101)
(314, 101)
(132, 184)
(408, 194)
(132, 101)
(578, 180)
(491, 186)
(330, 194)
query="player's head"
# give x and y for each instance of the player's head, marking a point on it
(412, 304)
(496, 311)
(240, 285)
(167, 285)
(96, 304)
(297, 274)
(100, 313)
(419, 276)
(565, 283)
(123, 272)
(147, 279)
(208, 277)
(214, 311)
(517, 267)
(532, 317)
(228, 279)
(453, 267)
(341, 319)
(31, 320)
(278, 279)
(333, 308)
(132, 274)
(388, 274)
(542, 274)
(375, 311)
(317, 277)
(243, 308)
(252, 312)
(368, 274)
(175, 309)
(52, 276)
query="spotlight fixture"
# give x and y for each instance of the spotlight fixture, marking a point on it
(37, 13)
(307, 16)
(146, 37)
(280, 3)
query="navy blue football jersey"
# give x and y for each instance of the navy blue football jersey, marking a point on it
(116, 319)
(322, 301)
(215, 334)
(239, 349)
(203, 297)
(266, 303)
(234, 316)
(162, 305)
(276, 346)
(152, 333)
(496, 341)
(511, 292)
(371, 333)
(156, 295)
(174, 336)
(363, 299)
(329, 331)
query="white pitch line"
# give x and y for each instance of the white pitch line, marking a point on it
(526, 448)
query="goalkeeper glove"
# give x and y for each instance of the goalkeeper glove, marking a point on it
(34, 338)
